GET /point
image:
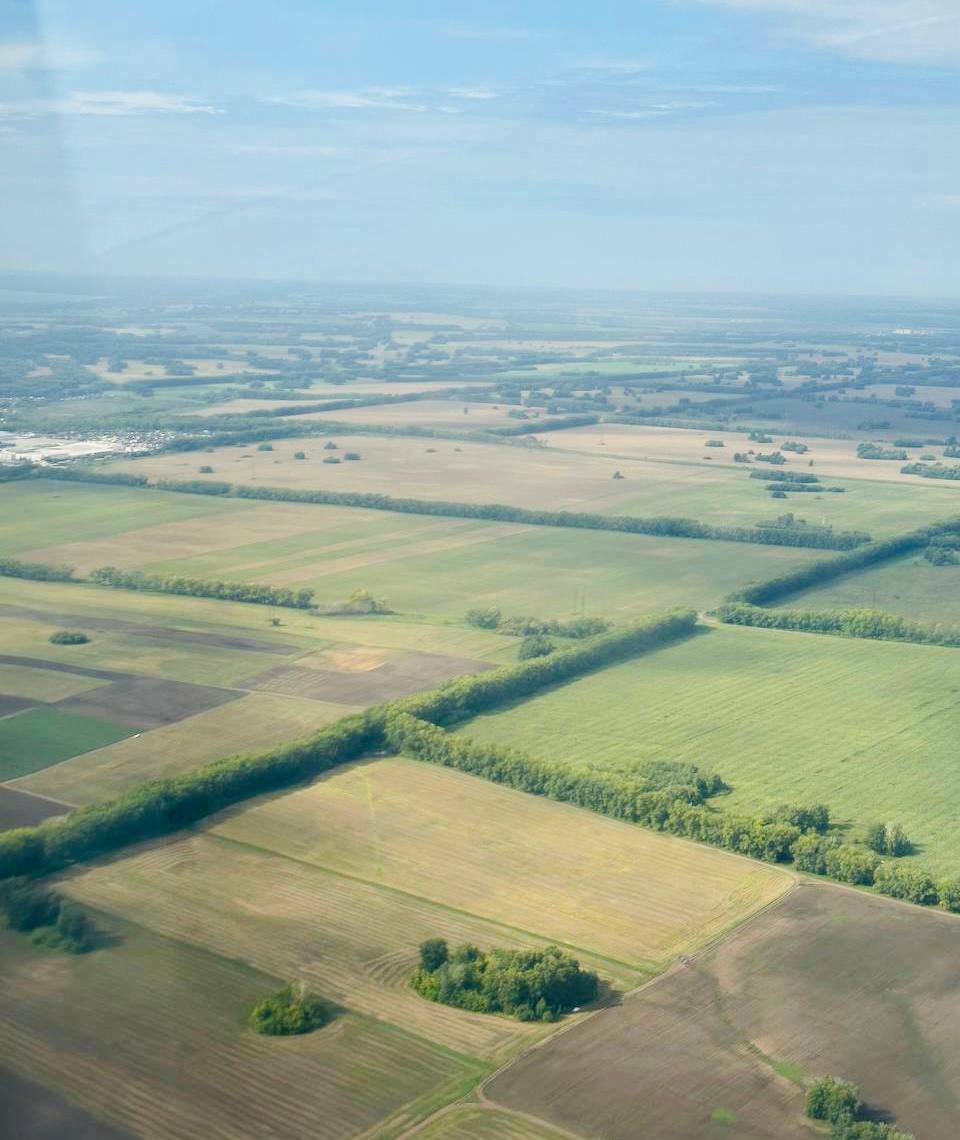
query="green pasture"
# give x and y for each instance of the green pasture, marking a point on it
(42, 736)
(869, 728)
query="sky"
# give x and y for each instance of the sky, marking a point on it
(793, 146)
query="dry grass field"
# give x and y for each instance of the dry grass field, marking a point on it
(868, 728)
(828, 981)
(631, 896)
(555, 478)
(464, 416)
(155, 1044)
(483, 1122)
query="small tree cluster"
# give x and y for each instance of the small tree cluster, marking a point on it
(291, 1011)
(837, 1102)
(49, 918)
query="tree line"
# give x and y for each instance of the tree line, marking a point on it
(202, 588)
(526, 626)
(666, 526)
(38, 571)
(866, 623)
(827, 569)
(161, 806)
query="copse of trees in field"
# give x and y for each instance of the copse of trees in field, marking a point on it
(858, 622)
(827, 569)
(161, 806)
(526, 626)
(932, 470)
(532, 985)
(837, 1102)
(878, 451)
(202, 588)
(45, 915)
(292, 1011)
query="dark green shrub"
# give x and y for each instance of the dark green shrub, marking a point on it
(536, 645)
(206, 469)
(299, 455)
(483, 618)
(433, 953)
(264, 447)
(68, 637)
(351, 455)
(888, 839)
(833, 1100)
(290, 1011)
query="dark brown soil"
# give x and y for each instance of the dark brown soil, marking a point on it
(397, 677)
(153, 633)
(20, 809)
(31, 1112)
(146, 702)
(828, 981)
(63, 667)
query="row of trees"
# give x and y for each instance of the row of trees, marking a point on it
(932, 470)
(158, 807)
(845, 623)
(39, 571)
(532, 985)
(878, 451)
(826, 569)
(203, 588)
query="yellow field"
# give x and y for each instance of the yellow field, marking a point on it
(150, 1036)
(480, 1122)
(599, 885)
(254, 723)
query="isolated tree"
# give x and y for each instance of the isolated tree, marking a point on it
(833, 1100)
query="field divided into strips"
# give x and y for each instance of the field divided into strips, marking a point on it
(256, 722)
(827, 981)
(436, 566)
(627, 895)
(707, 487)
(909, 586)
(869, 728)
(155, 1043)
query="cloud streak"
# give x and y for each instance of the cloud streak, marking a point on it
(109, 103)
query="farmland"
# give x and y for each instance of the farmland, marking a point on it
(728, 1039)
(556, 477)
(335, 550)
(640, 898)
(782, 717)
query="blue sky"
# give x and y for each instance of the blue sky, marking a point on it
(758, 145)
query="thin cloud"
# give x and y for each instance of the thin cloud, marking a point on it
(28, 55)
(110, 103)
(290, 150)
(368, 99)
(895, 31)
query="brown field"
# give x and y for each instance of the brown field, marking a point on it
(254, 723)
(147, 702)
(828, 981)
(631, 896)
(19, 809)
(31, 1112)
(834, 457)
(482, 1122)
(150, 1036)
(397, 677)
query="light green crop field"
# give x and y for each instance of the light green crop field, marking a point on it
(869, 728)
(424, 566)
(256, 722)
(909, 586)
(40, 736)
(629, 895)
(150, 1035)
(703, 486)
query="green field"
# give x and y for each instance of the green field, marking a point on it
(150, 1035)
(42, 736)
(869, 728)
(422, 566)
(909, 586)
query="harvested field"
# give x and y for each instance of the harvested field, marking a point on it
(39, 665)
(189, 1067)
(31, 1112)
(150, 633)
(254, 723)
(604, 887)
(868, 728)
(145, 702)
(482, 1122)
(828, 981)
(355, 942)
(397, 677)
(20, 809)
(38, 682)
(550, 477)
(41, 736)
(423, 413)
